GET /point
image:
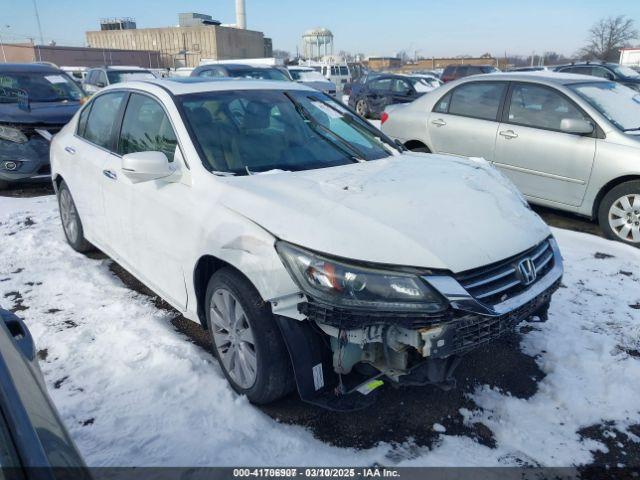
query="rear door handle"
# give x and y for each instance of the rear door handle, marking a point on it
(110, 174)
(508, 134)
(439, 122)
(70, 150)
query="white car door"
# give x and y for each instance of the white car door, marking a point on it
(543, 161)
(464, 121)
(87, 152)
(154, 213)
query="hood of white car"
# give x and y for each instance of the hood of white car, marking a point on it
(418, 210)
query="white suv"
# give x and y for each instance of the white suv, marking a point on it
(315, 252)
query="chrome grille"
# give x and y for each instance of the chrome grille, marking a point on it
(498, 282)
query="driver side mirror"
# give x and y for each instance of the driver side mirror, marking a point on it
(576, 125)
(146, 166)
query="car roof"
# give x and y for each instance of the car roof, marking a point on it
(187, 85)
(542, 76)
(27, 67)
(236, 66)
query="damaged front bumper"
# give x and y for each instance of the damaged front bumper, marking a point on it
(351, 348)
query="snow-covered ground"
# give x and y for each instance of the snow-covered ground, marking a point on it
(133, 391)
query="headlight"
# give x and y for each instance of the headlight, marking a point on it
(341, 284)
(12, 134)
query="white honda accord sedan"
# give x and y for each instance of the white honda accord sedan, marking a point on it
(316, 252)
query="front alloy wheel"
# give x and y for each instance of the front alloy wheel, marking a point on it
(619, 213)
(246, 339)
(624, 218)
(233, 338)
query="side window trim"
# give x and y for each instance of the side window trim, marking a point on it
(117, 125)
(452, 91)
(504, 118)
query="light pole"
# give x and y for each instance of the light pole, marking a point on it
(4, 55)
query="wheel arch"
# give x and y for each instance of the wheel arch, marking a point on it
(57, 181)
(205, 267)
(413, 144)
(607, 188)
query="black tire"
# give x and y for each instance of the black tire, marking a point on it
(609, 200)
(4, 185)
(76, 240)
(362, 108)
(274, 377)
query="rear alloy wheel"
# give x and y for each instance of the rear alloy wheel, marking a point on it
(71, 223)
(361, 108)
(619, 214)
(246, 340)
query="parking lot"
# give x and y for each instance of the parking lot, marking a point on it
(130, 387)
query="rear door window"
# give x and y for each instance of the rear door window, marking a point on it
(100, 126)
(380, 86)
(477, 100)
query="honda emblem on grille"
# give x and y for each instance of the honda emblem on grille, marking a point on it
(526, 270)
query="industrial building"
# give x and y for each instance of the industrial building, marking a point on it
(197, 36)
(77, 56)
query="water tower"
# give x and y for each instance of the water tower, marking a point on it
(317, 43)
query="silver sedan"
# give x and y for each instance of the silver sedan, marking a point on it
(570, 142)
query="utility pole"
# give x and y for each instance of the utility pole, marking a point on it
(4, 56)
(35, 6)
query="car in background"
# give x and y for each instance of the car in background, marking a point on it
(36, 101)
(353, 86)
(311, 246)
(528, 69)
(610, 71)
(570, 142)
(428, 80)
(33, 439)
(338, 73)
(372, 97)
(78, 74)
(312, 78)
(98, 78)
(239, 70)
(454, 72)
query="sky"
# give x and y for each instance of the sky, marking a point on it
(425, 28)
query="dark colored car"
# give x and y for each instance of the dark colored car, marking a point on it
(454, 72)
(219, 70)
(371, 97)
(611, 71)
(33, 441)
(36, 101)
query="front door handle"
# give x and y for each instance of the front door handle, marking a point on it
(110, 174)
(509, 134)
(439, 122)
(70, 150)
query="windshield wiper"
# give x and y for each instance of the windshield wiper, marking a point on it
(631, 129)
(340, 143)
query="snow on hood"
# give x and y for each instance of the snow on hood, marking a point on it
(420, 210)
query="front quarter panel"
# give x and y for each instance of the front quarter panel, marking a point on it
(236, 240)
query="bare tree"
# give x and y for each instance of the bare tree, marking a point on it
(607, 37)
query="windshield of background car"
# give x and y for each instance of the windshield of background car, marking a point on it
(251, 131)
(626, 72)
(619, 104)
(39, 87)
(117, 76)
(259, 74)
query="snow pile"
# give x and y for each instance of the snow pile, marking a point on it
(133, 391)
